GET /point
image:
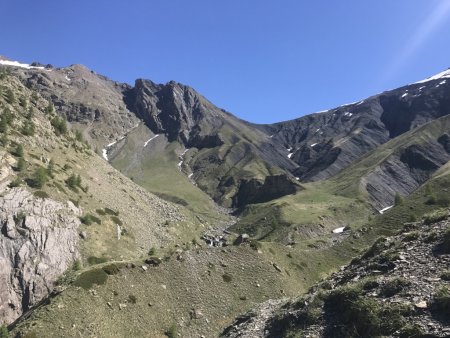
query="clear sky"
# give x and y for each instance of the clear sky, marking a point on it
(263, 60)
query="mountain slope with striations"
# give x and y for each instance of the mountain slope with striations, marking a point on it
(145, 174)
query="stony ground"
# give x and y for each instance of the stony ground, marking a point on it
(413, 258)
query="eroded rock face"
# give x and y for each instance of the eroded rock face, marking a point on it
(38, 242)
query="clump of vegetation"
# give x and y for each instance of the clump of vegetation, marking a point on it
(116, 220)
(435, 216)
(41, 194)
(441, 303)
(17, 151)
(111, 212)
(76, 265)
(172, 331)
(398, 199)
(394, 286)
(101, 212)
(87, 279)
(446, 276)
(39, 178)
(4, 332)
(445, 244)
(59, 125)
(111, 269)
(227, 278)
(51, 168)
(9, 96)
(28, 128)
(74, 181)
(132, 299)
(360, 316)
(152, 251)
(49, 109)
(79, 136)
(19, 217)
(411, 236)
(15, 183)
(88, 219)
(92, 260)
(21, 164)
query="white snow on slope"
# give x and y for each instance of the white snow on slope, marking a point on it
(181, 158)
(443, 75)
(314, 144)
(148, 141)
(290, 155)
(382, 211)
(405, 95)
(105, 154)
(348, 114)
(338, 230)
(18, 64)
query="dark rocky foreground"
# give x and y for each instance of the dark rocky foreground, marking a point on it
(398, 288)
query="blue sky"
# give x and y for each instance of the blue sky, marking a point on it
(262, 60)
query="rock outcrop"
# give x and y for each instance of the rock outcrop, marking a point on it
(38, 243)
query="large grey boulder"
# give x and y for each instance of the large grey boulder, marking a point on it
(38, 242)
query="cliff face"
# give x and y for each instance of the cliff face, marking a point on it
(38, 242)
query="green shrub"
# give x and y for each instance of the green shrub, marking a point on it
(19, 217)
(73, 181)
(3, 125)
(111, 212)
(51, 168)
(88, 219)
(59, 125)
(111, 269)
(17, 151)
(441, 304)
(79, 136)
(39, 178)
(356, 315)
(446, 276)
(41, 194)
(49, 109)
(445, 244)
(435, 216)
(23, 101)
(172, 332)
(4, 332)
(116, 220)
(92, 260)
(152, 251)
(28, 128)
(398, 199)
(87, 279)
(227, 278)
(411, 236)
(15, 182)
(76, 265)
(394, 286)
(132, 299)
(101, 212)
(21, 164)
(9, 96)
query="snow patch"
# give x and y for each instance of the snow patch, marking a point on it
(441, 75)
(382, 211)
(348, 114)
(105, 154)
(317, 130)
(18, 64)
(423, 87)
(272, 135)
(290, 155)
(152, 138)
(338, 230)
(314, 144)
(297, 178)
(181, 158)
(190, 175)
(405, 95)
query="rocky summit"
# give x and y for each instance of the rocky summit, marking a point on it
(146, 211)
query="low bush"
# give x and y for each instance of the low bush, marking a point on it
(446, 276)
(394, 286)
(87, 279)
(41, 194)
(92, 260)
(88, 219)
(227, 278)
(441, 304)
(116, 220)
(435, 216)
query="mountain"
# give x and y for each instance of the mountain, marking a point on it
(175, 216)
